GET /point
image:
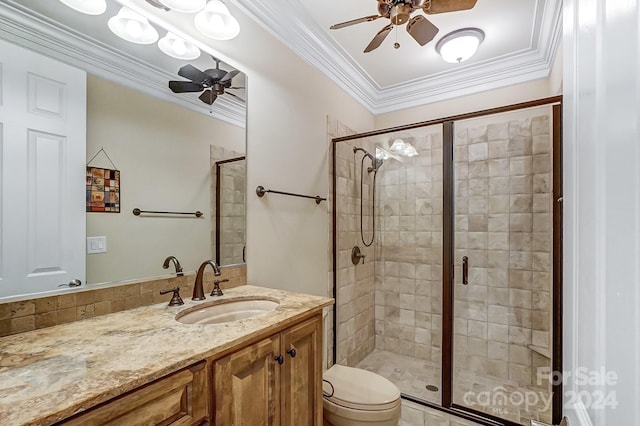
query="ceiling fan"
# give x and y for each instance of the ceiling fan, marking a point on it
(212, 82)
(399, 13)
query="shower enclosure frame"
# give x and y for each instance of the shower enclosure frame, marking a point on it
(446, 403)
(218, 207)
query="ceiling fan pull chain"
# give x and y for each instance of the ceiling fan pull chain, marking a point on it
(396, 45)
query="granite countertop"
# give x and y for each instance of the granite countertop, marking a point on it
(50, 374)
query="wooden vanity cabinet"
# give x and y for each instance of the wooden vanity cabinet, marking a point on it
(179, 399)
(274, 382)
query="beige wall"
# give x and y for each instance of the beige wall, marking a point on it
(505, 96)
(288, 105)
(148, 140)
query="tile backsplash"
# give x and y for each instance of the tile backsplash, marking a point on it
(31, 314)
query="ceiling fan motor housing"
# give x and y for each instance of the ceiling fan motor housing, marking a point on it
(400, 14)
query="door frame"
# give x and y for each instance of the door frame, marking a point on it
(448, 257)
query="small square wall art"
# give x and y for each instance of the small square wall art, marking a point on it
(103, 190)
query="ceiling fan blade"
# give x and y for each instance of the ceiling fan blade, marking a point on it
(229, 76)
(354, 21)
(193, 74)
(208, 97)
(443, 6)
(421, 29)
(235, 96)
(184, 86)
(236, 87)
(379, 38)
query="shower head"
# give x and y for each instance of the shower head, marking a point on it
(376, 163)
(366, 153)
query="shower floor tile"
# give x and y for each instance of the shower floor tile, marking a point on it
(412, 375)
(409, 374)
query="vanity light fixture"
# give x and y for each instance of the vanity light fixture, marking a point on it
(381, 154)
(397, 146)
(132, 27)
(215, 21)
(460, 45)
(89, 7)
(178, 48)
(184, 6)
(403, 148)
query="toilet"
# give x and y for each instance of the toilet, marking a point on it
(360, 398)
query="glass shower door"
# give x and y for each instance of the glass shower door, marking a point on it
(502, 265)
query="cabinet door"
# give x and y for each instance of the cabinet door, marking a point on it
(246, 386)
(178, 399)
(302, 374)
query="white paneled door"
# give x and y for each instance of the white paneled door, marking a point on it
(42, 160)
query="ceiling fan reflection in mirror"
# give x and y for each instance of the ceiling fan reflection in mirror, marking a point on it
(212, 82)
(399, 12)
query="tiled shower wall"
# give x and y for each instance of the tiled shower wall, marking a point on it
(408, 273)
(233, 205)
(355, 283)
(503, 223)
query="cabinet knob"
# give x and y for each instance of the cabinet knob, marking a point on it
(292, 352)
(279, 358)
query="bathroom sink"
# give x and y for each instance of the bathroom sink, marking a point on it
(222, 311)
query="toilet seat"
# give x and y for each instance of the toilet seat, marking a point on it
(361, 390)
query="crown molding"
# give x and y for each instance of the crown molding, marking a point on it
(38, 33)
(312, 43)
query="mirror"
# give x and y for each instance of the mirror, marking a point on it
(165, 145)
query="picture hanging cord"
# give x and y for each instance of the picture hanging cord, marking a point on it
(105, 153)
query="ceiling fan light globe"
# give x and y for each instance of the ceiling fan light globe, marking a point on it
(460, 45)
(184, 6)
(88, 7)
(132, 27)
(178, 48)
(216, 22)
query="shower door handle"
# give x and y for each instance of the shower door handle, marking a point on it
(465, 270)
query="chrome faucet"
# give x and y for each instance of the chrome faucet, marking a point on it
(176, 263)
(198, 291)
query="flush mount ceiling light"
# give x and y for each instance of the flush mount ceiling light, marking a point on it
(89, 7)
(215, 21)
(185, 6)
(132, 27)
(460, 45)
(178, 48)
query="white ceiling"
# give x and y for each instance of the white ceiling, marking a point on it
(521, 38)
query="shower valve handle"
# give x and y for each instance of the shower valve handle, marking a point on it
(356, 255)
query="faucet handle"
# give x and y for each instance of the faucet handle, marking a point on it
(216, 287)
(176, 300)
